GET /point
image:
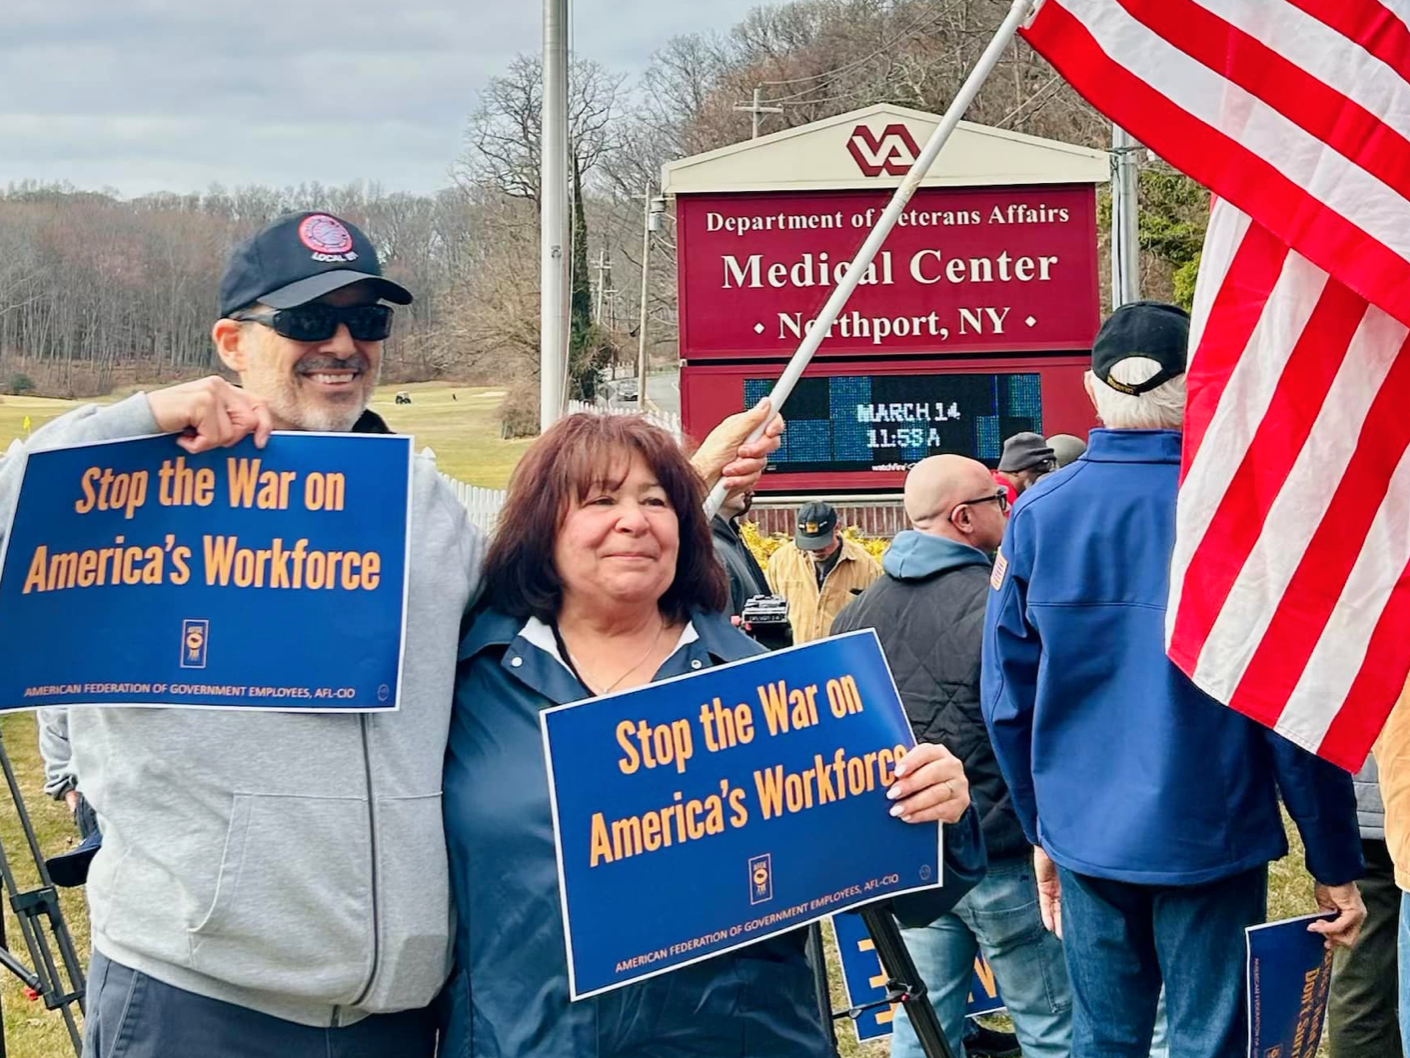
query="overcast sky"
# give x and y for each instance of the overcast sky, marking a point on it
(145, 95)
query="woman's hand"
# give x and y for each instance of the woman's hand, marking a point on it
(930, 786)
(724, 452)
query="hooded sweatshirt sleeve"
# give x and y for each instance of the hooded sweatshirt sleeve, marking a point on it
(1009, 673)
(1321, 798)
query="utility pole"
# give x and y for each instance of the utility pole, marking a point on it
(757, 110)
(554, 240)
(602, 268)
(1125, 220)
(641, 328)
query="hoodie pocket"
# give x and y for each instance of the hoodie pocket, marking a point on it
(414, 901)
(292, 911)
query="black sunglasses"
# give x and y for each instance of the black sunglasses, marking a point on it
(1001, 498)
(318, 323)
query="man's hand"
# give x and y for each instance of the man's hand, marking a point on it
(725, 454)
(212, 413)
(1342, 931)
(71, 799)
(1049, 892)
(933, 788)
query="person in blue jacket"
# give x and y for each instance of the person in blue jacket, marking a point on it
(602, 577)
(1153, 809)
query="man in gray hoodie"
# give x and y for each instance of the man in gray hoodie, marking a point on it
(928, 612)
(276, 883)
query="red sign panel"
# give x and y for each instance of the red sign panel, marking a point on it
(860, 425)
(965, 271)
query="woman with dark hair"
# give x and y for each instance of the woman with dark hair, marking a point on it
(602, 577)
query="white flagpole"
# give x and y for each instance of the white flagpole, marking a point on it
(1018, 13)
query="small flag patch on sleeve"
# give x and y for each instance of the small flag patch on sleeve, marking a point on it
(1001, 567)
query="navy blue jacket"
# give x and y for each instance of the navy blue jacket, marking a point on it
(509, 995)
(1117, 763)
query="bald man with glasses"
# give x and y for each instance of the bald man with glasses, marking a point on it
(928, 612)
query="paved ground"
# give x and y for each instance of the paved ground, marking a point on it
(664, 391)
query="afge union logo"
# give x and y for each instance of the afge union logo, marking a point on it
(892, 153)
(761, 879)
(195, 638)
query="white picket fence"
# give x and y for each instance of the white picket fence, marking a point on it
(483, 505)
(667, 421)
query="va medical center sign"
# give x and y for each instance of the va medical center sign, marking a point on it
(974, 322)
(991, 270)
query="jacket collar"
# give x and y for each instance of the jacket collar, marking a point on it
(1133, 446)
(370, 422)
(526, 657)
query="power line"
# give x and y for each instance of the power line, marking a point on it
(1027, 102)
(924, 22)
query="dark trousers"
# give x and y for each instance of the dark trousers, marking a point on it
(1361, 1019)
(1123, 941)
(131, 1015)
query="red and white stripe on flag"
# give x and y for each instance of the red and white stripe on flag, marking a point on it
(1290, 583)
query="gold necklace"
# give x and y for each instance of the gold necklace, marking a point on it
(639, 662)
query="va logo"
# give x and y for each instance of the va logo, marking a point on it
(761, 879)
(892, 153)
(195, 637)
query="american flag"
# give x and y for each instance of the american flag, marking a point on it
(1290, 582)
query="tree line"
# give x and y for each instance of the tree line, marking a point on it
(97, 289)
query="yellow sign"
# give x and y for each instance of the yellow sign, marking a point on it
(26, 424)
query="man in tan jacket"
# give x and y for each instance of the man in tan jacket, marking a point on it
(819, 572)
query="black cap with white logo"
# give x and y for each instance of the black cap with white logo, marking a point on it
(1150, 329)
(299, 258)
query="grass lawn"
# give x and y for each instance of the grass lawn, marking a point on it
(462, 426)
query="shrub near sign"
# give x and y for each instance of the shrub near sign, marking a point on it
(965, 271)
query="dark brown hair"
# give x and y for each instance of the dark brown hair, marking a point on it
(559, 469)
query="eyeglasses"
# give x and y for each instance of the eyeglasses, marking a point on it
(1001, 498)
(318, 323)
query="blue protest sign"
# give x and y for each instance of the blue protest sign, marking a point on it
(1289, 974)
(711, 811)
(135, 574)
(865, 981)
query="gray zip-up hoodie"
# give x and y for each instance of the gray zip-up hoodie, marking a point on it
(291, 863)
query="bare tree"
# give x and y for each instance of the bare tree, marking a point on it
(504, 132)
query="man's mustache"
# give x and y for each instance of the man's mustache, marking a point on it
(313, 364)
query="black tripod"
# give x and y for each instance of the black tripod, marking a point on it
(41, 921)
(903, 983)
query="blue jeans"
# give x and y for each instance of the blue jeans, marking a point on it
(1000, 918)
(1122, 941)
(131, 1015)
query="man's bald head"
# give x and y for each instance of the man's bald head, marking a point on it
(936, 486)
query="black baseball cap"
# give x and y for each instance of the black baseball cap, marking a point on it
(70, 868)
(299, 258)
(816, 522)
(1151, 329)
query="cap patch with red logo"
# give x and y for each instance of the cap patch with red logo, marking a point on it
(327, 237)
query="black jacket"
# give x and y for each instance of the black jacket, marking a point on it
(928, 612)
(746, 579)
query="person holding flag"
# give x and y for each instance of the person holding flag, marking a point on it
(1152, 809)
